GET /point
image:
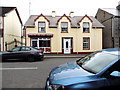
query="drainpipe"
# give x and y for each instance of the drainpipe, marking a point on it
(21, 36)
(112, 32)
(77, 39)
(112, 24)
(3, 34)
(24, 35)
(1, 28)
(94, 39)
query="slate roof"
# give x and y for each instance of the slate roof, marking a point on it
(53, 21)
(113, 11)
(4, 10)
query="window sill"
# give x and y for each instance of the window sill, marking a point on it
(86, 49)
(42, 32)
(64, 32)
(86, 32)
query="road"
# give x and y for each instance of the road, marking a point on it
(29, 74)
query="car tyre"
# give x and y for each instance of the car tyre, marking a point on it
(41, 59)
(31, 58)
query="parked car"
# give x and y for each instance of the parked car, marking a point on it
(99, 70)
(23, 52)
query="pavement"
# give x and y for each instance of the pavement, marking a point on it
(64, 55)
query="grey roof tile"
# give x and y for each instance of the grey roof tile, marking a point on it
(113, 11)
(53, 21)
(4, 10)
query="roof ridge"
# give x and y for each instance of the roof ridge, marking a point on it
(62, 15)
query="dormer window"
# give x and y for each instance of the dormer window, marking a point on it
(86, 27)
(64, 26)
(41, 26)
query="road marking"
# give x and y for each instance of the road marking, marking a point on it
(26, 68)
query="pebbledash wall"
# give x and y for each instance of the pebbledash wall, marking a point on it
(71, 40)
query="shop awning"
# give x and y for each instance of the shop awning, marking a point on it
(40, 35)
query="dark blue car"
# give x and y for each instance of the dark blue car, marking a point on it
(99, 70)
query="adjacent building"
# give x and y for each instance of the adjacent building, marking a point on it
(63, 34)
(10, 28)
(110, 18)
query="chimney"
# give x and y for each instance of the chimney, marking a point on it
(53, 13)
(71, 14)
(118, 7)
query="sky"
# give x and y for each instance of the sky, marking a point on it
(79, 7)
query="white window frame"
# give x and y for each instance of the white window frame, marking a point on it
(41, 26)
(86, 45)
(34, 40)
(44, 39)
(87, 28)
(64, 28)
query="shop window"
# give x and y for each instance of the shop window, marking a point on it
(44, 43)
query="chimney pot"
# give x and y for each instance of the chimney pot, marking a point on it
(71, 14)
(118, 7)
(53, 13)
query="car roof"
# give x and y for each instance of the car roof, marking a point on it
(115, 51)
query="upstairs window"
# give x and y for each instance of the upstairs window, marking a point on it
(41, 26)
(86, 27)
(64, 27)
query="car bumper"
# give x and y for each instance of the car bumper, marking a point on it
(47, 86)
(39, 57)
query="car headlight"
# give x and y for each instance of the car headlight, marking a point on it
(57, 87)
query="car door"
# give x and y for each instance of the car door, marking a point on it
(113, 78)
(13, 54)
(25, 51)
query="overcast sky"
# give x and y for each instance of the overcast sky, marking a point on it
(80, 7)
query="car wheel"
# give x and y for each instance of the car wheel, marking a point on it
(41, 59)
(31, 58)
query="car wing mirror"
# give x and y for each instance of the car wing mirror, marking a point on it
(115, 74)
(80, 59)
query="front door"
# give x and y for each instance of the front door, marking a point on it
(67, 46)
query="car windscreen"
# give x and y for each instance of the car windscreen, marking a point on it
(97, 61)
